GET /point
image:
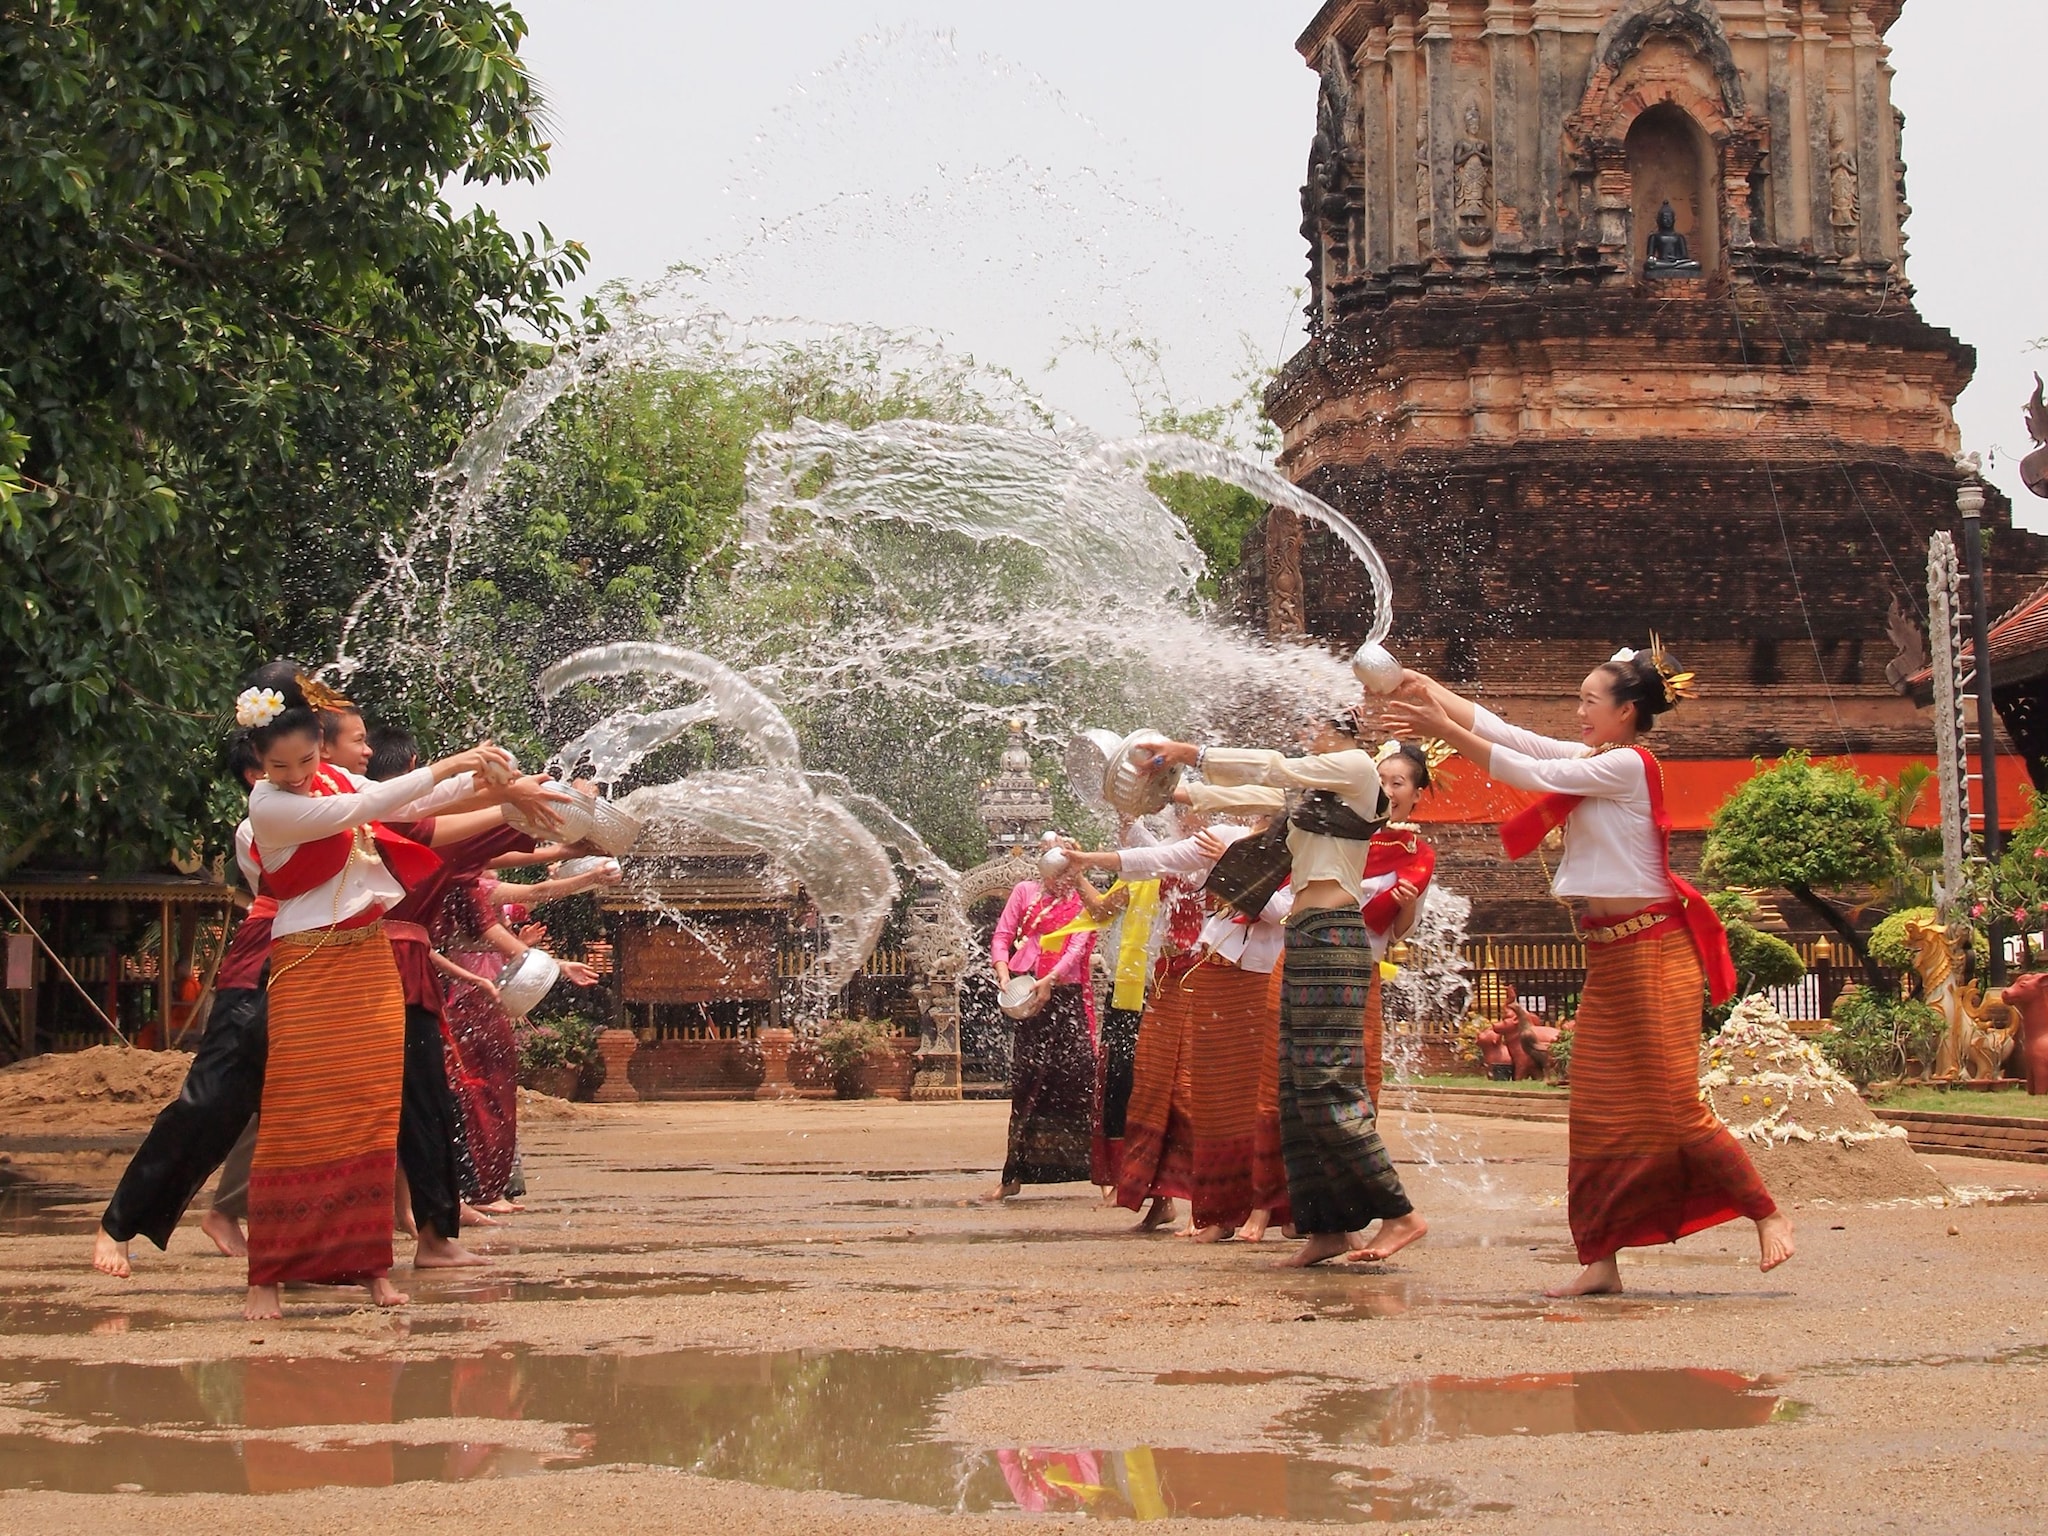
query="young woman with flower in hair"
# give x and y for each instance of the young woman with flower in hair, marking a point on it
(1649, 1162)
(321, 1187)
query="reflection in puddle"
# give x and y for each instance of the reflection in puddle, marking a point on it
(482, 1287)
(1588, 1402)
(846, 1421)
(29, 1208)
(56, 1318)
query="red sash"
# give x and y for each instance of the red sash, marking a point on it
(1522, 833)
(1402, 854)
(313, 864)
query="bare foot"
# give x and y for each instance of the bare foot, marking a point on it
(438, 1252)
(226, 1233)
(1002, 1192)
(1157, 1215)
(263, 1303)
(385, 1294)
(1392, 1237)
(1254, 1228)
(108, 1256)
(1774, 1239)
(1318, 1248)
(1600, 1278)
(503, 1207)
(1209, 1234)
(472, 1217)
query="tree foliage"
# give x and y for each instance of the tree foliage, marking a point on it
(238, 320)
(1817, 830)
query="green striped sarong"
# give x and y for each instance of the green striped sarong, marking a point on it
(1339, 1176)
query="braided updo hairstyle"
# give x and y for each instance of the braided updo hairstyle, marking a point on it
(1638, 683)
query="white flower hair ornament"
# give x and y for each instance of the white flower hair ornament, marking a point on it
(1624, 656)
(257, 707)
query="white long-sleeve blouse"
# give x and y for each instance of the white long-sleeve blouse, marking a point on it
(282, 821)
(1612, 848)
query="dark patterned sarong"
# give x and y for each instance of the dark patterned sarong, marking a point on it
(1052, 1091)
(1339, 1176)
(1115, 1062)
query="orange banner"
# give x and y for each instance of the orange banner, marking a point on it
(1695, 788)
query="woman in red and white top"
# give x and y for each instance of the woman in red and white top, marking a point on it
(1649, 1162)
(321, 1188)
(1399, 866)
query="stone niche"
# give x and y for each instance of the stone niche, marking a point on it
(1671, 160)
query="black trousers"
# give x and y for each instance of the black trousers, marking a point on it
(428, 1125)
(196, 1130)
(223, 1090)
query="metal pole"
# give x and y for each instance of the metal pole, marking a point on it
(1970, 502)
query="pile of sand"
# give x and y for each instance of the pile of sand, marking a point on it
(1808, 1130)
(545, 1106)
(71, 1093)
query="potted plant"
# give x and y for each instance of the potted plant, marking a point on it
(554, 1052)
(842, 1048)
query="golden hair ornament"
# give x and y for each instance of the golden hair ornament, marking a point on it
(1677, 685)
(319, 696)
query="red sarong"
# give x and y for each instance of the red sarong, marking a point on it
(1649, 1161)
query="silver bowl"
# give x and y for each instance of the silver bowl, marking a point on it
(1015, 997)
(584, 819)
(1376, 668)
(1133, 788)
(571, 869)
(1054, 862)
(1086, 762)
(528, 979)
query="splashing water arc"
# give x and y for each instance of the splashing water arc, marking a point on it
(841, 865)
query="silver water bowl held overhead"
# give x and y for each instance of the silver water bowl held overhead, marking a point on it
(1134, 786)
(1086, 762)
(528, 979)
(1054, 862)
(1377, 668)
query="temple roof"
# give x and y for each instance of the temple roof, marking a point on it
(2019, 647)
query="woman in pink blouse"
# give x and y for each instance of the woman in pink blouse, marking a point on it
(1052, 1063)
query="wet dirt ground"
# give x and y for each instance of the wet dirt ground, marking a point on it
(774, 1317)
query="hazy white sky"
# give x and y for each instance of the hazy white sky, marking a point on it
(1017, 177)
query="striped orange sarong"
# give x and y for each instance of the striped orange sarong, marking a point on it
(1157, 1161)
(1269, 1169)
(1649, 1161)
(320, 1187)
(1215, 1021)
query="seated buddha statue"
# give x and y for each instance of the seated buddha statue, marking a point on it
(1668, 254)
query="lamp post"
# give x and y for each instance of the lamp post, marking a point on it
(1970, 502)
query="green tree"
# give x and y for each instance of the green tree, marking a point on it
(1762, 960)
(238, 319)
(1816, 830)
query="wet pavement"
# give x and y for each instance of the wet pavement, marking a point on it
(698, 1296)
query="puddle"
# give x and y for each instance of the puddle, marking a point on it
(481, 1286)
(29, 1208)
(1222, 1378)
(60, 1319)
(852, 1422)
(1354, 1302)
(1588, 1402)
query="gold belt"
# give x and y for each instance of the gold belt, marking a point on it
(1642, 922)
(326, 936)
